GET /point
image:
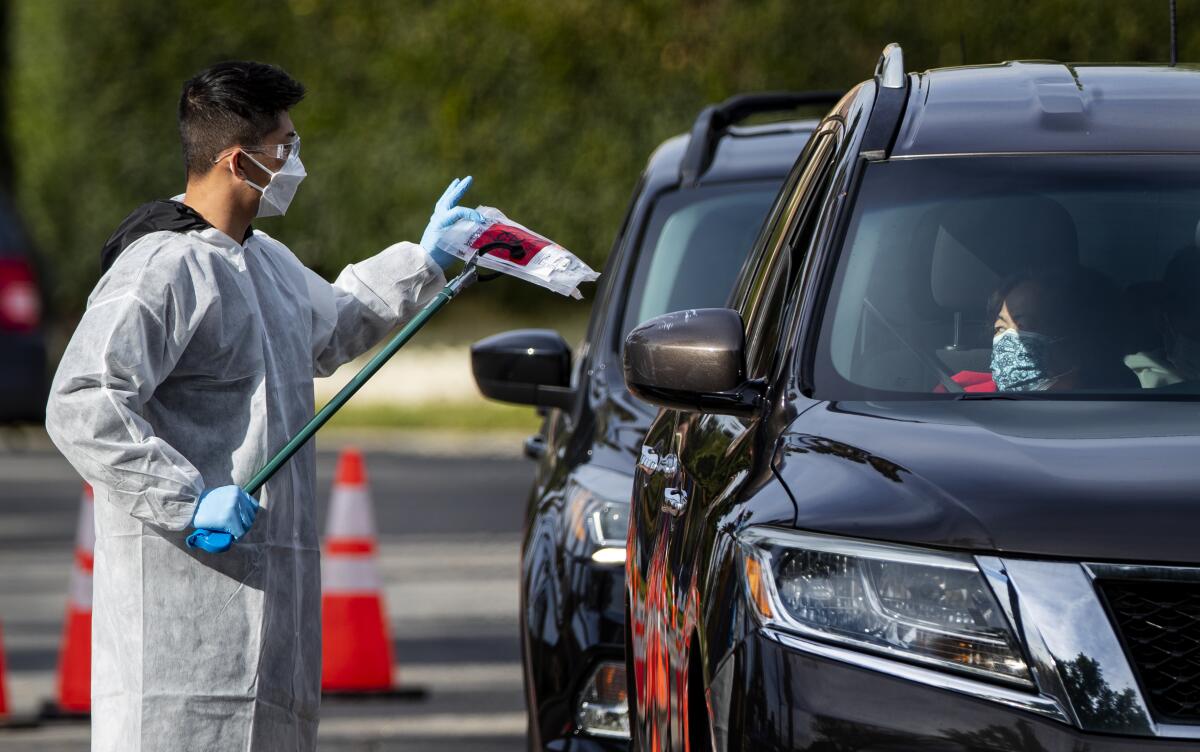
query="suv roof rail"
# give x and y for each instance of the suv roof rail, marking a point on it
(890, 68)
(714, 119)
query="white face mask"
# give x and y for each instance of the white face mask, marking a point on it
(281, 188)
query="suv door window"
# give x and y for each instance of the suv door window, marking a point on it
(765, 292)
(694, 246)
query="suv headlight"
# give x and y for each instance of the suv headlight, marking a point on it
(911, 604)
(598, 514)
(603, 708)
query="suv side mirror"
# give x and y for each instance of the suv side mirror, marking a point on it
(525, 366)
(692, 360)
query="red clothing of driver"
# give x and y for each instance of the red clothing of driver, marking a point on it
(971, 381)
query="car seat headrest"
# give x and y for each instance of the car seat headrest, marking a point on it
(961, 280)
(982, 240)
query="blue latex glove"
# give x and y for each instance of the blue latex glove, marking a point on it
(222, 516)
(445, 213)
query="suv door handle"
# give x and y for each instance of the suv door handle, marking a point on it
(674, 501)
(535, 446)
(648, 462)
(668, 465)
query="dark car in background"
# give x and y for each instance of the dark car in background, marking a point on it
(23, 377)
(693, 218)
(931, 481)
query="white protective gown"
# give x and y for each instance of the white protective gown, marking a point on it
(193, 364)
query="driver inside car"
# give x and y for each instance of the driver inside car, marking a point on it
(1054, 332)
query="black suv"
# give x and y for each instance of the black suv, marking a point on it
(931, 481)
(693, 219)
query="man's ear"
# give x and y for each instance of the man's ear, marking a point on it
(236, 165)
(245, 168)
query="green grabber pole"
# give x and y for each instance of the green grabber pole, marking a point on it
(214, 541)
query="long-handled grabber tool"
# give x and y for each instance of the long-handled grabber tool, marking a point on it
(215, 541)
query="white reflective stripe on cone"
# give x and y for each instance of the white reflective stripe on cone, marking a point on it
(85, 531)
(350, 513)
(79, 592)
(345, 575)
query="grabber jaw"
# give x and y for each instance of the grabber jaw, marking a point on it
(465, 278)
(515, 251)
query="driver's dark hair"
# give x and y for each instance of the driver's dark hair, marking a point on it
(235, 103)
(1180, 279)
(1073, 299)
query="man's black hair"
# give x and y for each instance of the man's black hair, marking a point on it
(232, 104)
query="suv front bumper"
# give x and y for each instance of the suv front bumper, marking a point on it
(1089, 692)
(777, 692)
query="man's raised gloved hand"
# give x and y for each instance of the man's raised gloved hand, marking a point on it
(228, 510)
(445, 213)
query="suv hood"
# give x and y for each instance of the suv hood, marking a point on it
(1113, 481)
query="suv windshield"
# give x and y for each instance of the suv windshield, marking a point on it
(694, 247)
(1031, 276)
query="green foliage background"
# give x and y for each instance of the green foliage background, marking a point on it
(553, 105)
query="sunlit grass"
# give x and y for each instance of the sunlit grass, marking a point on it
(464, 416)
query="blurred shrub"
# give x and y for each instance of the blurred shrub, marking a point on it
(552, 106)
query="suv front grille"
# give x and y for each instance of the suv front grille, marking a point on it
(1159, 623)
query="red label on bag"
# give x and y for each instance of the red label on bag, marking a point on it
(529, 243)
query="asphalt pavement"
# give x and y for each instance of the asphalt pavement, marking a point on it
(449, 515)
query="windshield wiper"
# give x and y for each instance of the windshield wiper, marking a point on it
(990, 396)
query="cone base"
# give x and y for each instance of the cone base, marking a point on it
(52, 711)
(356, 653)
(391, 693)
(20, 722)
(75, 664)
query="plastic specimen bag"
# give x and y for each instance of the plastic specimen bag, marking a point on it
(534, 258)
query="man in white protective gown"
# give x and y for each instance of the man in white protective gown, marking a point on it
(191, 367)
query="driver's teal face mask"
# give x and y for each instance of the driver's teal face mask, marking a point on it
(1021, 361)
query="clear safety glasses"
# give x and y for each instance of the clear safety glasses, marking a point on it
(277, 151)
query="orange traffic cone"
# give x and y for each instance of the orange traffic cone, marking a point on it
(75, 658)
(356, 647)
(3, 681)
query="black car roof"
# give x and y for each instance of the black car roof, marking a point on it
(1023, 107)
(755, 152)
